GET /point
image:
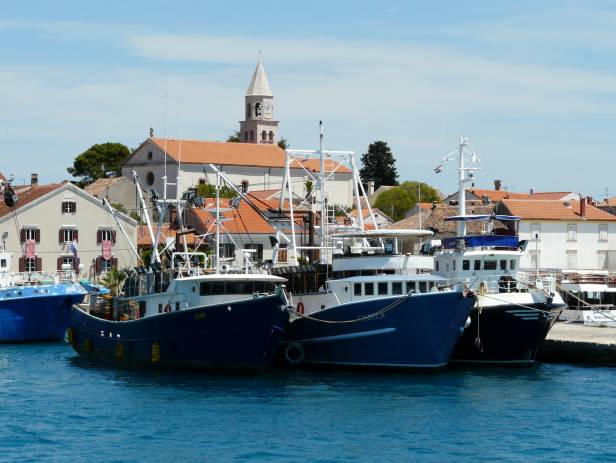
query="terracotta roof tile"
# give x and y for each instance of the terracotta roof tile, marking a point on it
(244, 220)
(434, 219)
(28, 194)
(554, 210)
(314, 165)
(143, 235)
(101, 185)
(555, 195)
(239, 154)
(497, 195)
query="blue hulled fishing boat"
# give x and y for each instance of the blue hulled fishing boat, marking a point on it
(34, 305)
(186, 313)
(374, 306)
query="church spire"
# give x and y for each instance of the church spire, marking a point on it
(259, 86)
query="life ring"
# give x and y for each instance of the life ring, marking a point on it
(168, 308)
(294, 353)
(300, 308)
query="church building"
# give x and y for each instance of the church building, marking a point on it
(257, 159)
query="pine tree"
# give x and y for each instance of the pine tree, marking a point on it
(379, 165)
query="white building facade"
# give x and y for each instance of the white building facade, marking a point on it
(59, 226)
(563, 235)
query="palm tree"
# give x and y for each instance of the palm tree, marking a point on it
(114, 280)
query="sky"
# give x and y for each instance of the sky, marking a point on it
(532, 84)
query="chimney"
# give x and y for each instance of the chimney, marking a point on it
(370, 188)
(497, 185)
(33, 179)
(582, 207)
(532, 192)
(589, 200)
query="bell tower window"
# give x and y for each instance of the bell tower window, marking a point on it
(248, 111)
(258, 110)
(264, 136)
(271, 136)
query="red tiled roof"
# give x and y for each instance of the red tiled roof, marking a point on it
(244, 220)
(237, 154)
(497, 195)
(554, 210)
(102, 184)
(143, 235)
(29, 194)
(314, 165)
(555, 195)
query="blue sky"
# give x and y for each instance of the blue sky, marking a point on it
(533, 84)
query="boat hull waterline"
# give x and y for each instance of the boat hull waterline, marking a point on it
(245, 334)
(37, 313)
(419, 332)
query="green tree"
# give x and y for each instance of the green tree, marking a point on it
(283, 143)
(379, 165)
(394, 202)
(98, 161)
(114, 280)
(205, 190)
(235, 137)
(428, 194)
(119, 207)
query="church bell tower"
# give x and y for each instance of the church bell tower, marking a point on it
(259, 125)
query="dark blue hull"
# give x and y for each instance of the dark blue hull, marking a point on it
(506, 334)
(234, 335)
(37, 313)
(419, 332)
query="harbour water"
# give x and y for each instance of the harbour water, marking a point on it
(56, 407)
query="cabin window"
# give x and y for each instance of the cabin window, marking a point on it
(382, 289)
(357, 289)
(368, 289)
(477, 265)
(503, 264)
(512, 264)
(216, 288)
(160, 308)
(436, 266)
(177, 306)
(396, 287)
(489, 265)
(2, 263)
(142, 308)
(454, 265)
(411, 287)
(423, 287)
(466, 265)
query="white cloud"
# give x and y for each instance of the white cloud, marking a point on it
(417, 96)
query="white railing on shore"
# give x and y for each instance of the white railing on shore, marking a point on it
(37, 278)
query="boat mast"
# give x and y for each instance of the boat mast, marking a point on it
(217, 221)
(461, 187)
(323, 199)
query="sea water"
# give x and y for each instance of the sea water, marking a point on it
(56, 407)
